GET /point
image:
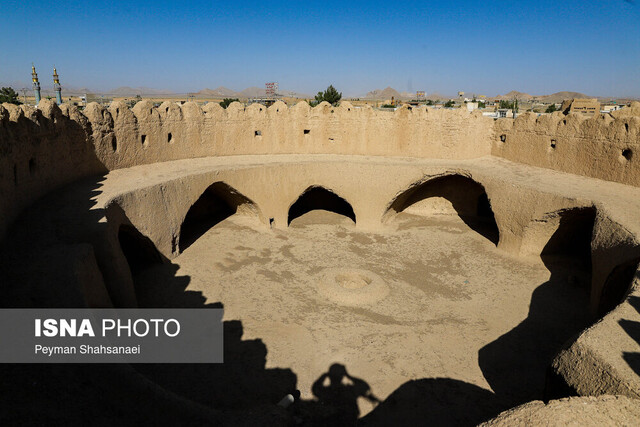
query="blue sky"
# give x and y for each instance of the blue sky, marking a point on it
(483, 47)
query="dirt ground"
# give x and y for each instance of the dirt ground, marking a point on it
(427, 307)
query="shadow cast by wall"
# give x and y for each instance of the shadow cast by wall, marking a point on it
(436, 402)
(40, 270)
(119, 394)
(632, 328)
(516, 364)
(36, 252)
(427, 401)
(242, 382)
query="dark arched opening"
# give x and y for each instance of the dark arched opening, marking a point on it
(218, 202)
(617, 285)
(138, 249)
(467, 197)
(570, 244)
(318, 198)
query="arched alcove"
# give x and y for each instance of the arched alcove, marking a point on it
(617, 285)
(217, 203)
(319, 198)
(571, 231)
(138, 249)
(450, 194)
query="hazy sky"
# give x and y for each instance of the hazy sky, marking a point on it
(483, 47)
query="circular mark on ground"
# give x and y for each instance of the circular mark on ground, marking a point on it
(351, 286)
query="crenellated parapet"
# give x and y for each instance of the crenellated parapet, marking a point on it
(604, 146)
(41, 150)
(146, 134)
(44, 148)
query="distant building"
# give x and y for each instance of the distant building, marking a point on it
(93, 97)
(585, 106)
(472, 106)
(505, 113)
(607, 108)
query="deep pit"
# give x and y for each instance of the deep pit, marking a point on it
(429, 298)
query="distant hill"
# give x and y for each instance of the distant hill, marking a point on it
(130, 91)
(558, 97)
(66, 91)
(253, 92)
(383, 94)
(554, 98)
(220, 91)
(250, 92)
(438, 97)
(293, 94)
(514, 94)
(387, 93)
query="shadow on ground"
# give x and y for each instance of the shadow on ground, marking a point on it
(240, 383)
(436, 401)
(515, 364)
(633, 329)
(32, 275)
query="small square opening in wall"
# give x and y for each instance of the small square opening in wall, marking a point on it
(169, 138)
(307, 131)
(553, 143)
(627, 153)
(503, 138)
(143, 140)
(258, 133)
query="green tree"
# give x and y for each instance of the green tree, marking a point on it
(9, 95)
(331, 95)
(227, 101)
(481, 104)
(429, 102)
(551, 108)
(449, 104)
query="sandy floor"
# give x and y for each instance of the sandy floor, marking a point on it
(446, 303)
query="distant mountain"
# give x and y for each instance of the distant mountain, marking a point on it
(220, 91)
(558, 97)
(130, 91)
(383, 94)
(389, 92)
(66, 91)
(250, 92)
(554, 98)
(438, 97)
(253, 92)
(293, 94)
(514, 94)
